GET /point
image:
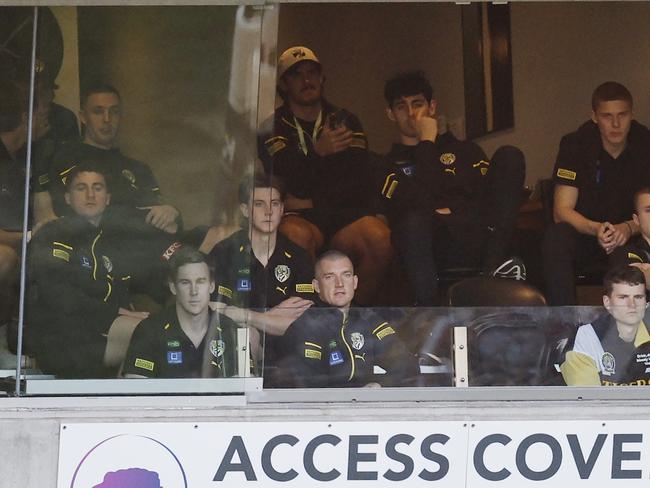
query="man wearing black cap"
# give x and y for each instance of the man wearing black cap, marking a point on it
(321, 153)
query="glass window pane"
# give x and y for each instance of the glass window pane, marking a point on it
(154, 116)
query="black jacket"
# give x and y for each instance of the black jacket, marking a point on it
(336, 181)
(324, 350)
(446, 174)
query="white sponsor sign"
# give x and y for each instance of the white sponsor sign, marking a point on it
(559, 454)
(355, 454)
(261, 454)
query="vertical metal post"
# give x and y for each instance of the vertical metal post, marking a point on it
(243, 353)
(461, 364)
(28, 172)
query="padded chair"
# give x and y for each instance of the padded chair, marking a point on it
(487, 291)
(507, 349)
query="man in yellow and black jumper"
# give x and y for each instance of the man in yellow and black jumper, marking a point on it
(340, 345)
(447, 204)
(321, 154)
(613, 349)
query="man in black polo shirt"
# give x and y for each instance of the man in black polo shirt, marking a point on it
(186, 340)
(321, 153)
(598, 169)
(263, 279)
(134, 185)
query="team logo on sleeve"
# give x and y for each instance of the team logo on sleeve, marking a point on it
(448, 158)
(357, 340)
(107, 264)
(217, 347)
(609, 363)
(282, 272)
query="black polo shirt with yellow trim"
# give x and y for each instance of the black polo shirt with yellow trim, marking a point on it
(242, 280)
(160, 348)
(606, 186)
(324, 348)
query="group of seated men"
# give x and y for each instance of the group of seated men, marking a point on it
(102, 231)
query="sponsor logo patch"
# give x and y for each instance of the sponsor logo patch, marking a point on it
(144, 364)
(335, 358)
(304, 288)
(85, 262)
(169, 252)
(174, 357)
(243, 284)
(226, 292)
(385, 332)
(173, 344)
(566, 174)
(312, 354)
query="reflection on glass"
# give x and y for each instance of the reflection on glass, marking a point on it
(264, 280)
(165, 117)
(613, 349)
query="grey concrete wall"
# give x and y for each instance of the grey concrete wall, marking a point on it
(29, 427)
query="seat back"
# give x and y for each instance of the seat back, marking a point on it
(486, 291)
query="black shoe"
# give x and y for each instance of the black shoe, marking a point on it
(513, 269)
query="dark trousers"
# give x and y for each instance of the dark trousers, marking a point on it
(428, 242)
(563, 251)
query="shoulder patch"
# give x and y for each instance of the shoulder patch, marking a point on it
(61, 254)
(385, 332)
(304, 288)
(222, 290)
(566, 174)
(312, 354)
(636, 257)
(144, 364)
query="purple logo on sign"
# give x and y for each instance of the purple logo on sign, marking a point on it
(129, 461)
